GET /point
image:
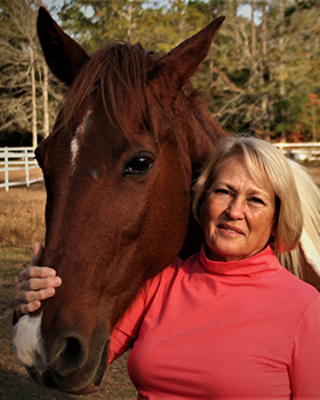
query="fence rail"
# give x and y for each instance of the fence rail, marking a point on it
(17, 159)
(301, 151)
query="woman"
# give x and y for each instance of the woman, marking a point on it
(229, 322)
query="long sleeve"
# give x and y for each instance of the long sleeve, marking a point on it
(305, 373)
(125, 332)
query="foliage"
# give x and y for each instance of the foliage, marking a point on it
(16, 40)
(257, 77)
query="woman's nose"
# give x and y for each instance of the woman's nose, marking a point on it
(236, 208)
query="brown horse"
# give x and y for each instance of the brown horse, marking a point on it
(118, 167)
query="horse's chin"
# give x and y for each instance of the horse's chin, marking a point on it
(85, 381)
(46, 380)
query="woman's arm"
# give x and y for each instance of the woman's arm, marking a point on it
(305, 370)
(35, 284)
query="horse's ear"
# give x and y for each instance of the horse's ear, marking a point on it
(182, 62)
(64, 56)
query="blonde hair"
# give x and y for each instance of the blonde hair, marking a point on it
(267, 167)
(309, 245)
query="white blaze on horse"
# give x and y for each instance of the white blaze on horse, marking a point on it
(128, 143)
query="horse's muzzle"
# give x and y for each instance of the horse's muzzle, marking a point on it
(67, 363)
(67, 375)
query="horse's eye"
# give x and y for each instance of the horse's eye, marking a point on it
(138, 165)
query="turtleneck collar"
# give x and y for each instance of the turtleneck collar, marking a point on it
(256, 266)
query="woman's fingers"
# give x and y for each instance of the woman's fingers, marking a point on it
(28, 308)
(25, 274)
(32, 270)
(26, 297)
(37, 251)
(30, 301)
(36, 272)
(36, 284)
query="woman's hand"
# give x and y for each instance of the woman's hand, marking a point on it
(35, 284)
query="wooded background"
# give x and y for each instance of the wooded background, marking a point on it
(262, 75)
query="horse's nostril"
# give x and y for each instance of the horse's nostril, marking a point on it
(72, 349)
(70, 355)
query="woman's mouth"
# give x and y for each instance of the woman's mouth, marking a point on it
(228, 229)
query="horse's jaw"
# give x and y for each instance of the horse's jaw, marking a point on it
(83, 377)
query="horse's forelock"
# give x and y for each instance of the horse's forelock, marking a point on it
(118, 79)
(115, 74)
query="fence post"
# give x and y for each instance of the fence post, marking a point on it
(6, 169)
(26, 163)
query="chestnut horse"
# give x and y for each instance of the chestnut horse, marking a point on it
(118, 167)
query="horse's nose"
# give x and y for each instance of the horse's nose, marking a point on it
(67, 354)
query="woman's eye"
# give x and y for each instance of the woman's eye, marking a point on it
(257, 200)
(138, 165)
(222, 191)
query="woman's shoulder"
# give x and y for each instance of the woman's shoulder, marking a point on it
(176, 265)
(174, 271)
(301, 290)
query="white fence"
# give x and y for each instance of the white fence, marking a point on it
(301, 151)
(23, 159)
(17, 159)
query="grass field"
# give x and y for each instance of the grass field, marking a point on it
(21, 224)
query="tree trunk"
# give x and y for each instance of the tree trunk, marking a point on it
(253, 33)
(314, 123)
(34, 100)
(129, 19)
(282, 89)
(281, 48)
(46, 129)
(264, 72)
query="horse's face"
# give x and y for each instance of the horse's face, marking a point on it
(109, 217)
(117, 196)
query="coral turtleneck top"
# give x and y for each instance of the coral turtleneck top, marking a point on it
(223, 330)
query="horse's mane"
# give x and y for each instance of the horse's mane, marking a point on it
(118, 69)
(117, 75)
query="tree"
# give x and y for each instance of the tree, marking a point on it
(258, 75)
(18, 84)
(24, 80)
(295, 68)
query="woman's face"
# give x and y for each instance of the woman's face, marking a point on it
(238, 215)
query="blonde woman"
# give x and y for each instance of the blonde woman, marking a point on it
(229, 322)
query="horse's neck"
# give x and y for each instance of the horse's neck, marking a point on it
(201, 144)
(193, 240)
(308, 271)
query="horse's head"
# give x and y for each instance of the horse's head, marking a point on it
(118, 168)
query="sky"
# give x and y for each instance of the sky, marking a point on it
(243, 10)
